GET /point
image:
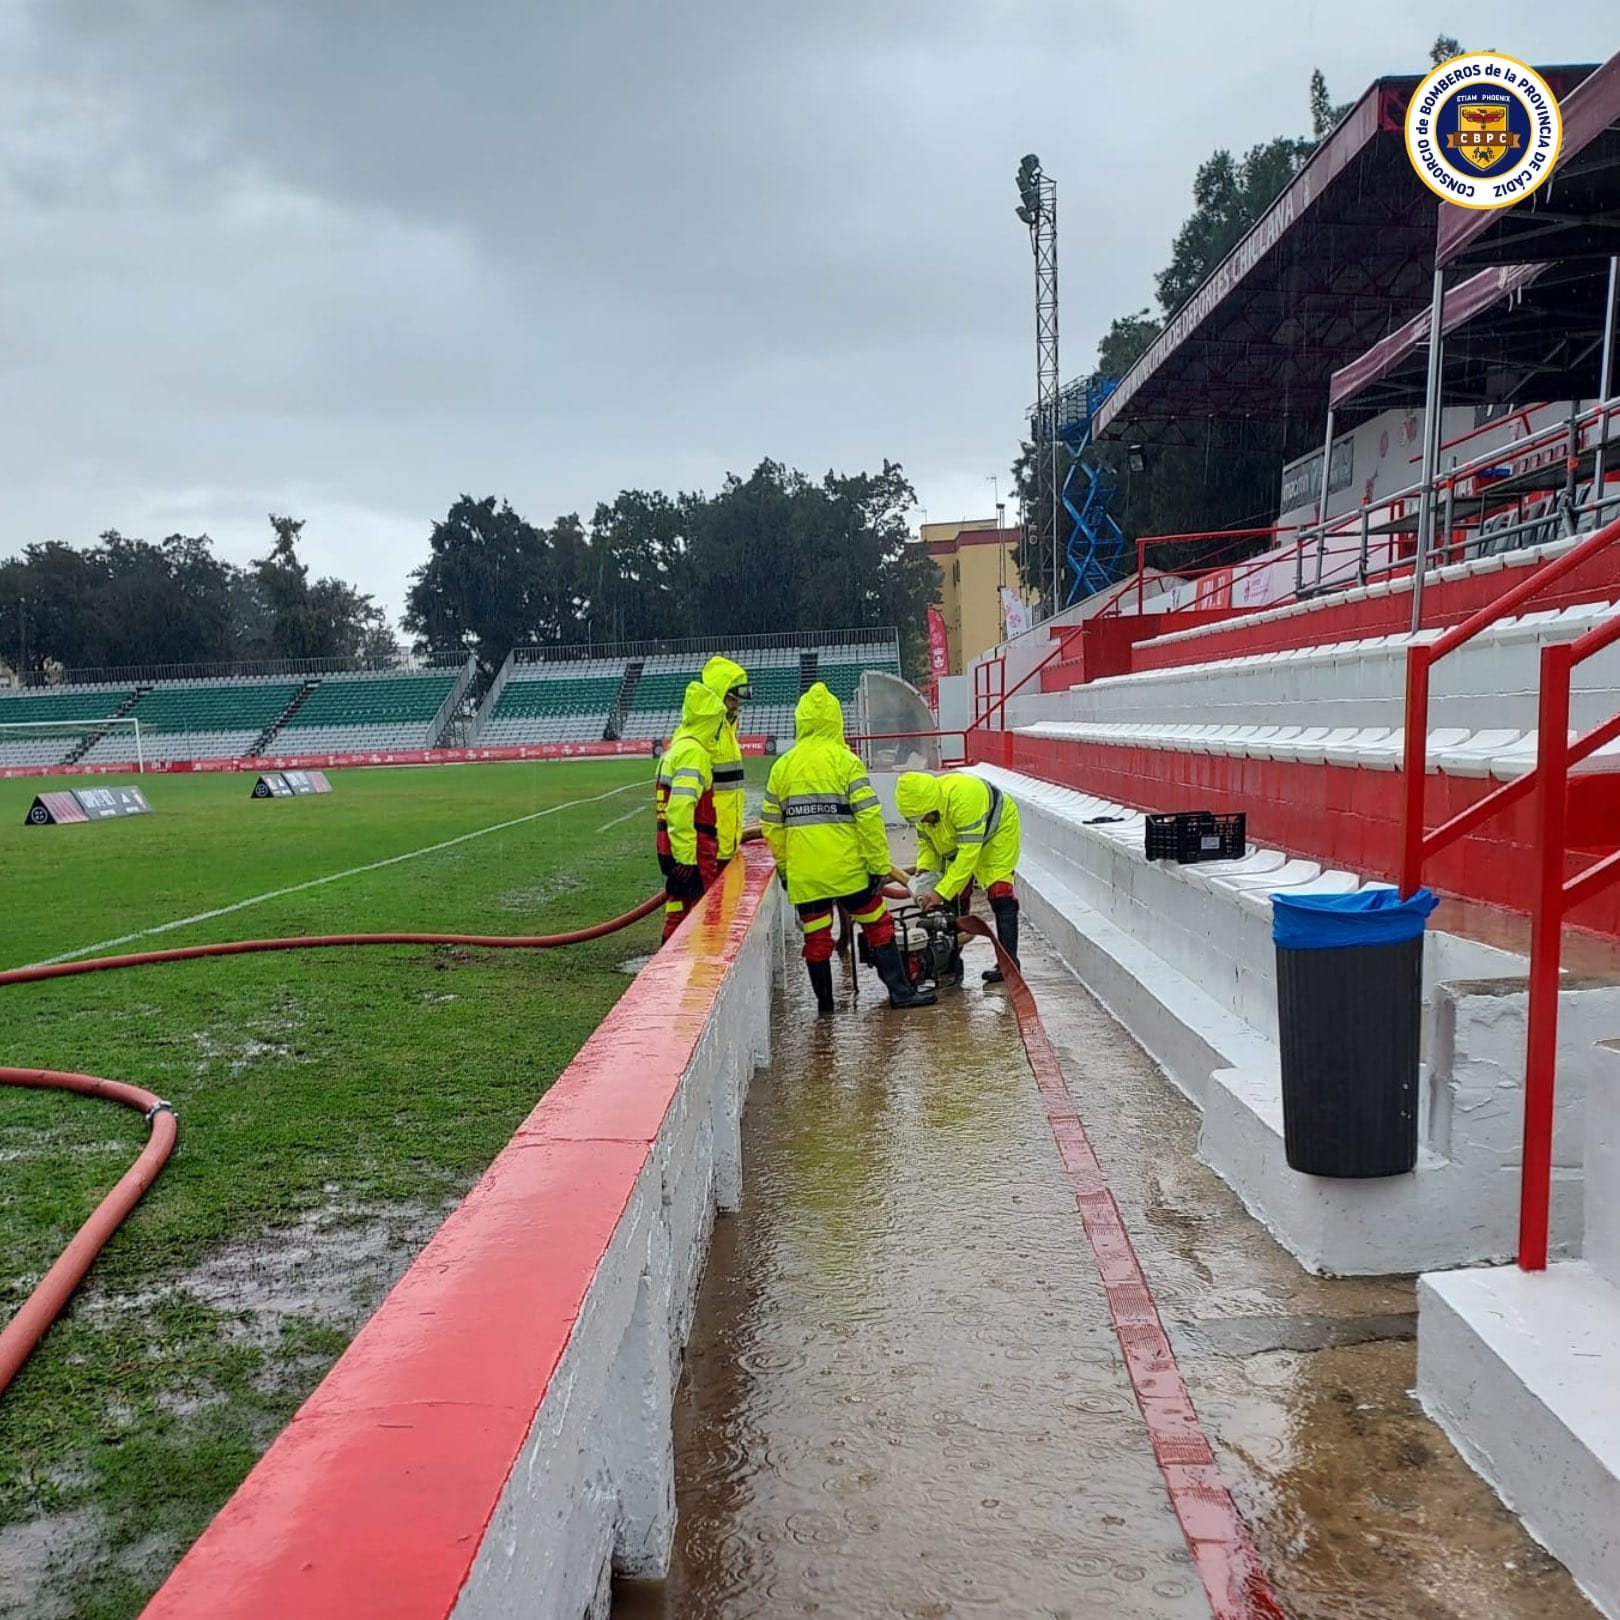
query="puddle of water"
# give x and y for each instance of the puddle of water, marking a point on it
(36, 1555)
(1358, 1504)
(903, 1394)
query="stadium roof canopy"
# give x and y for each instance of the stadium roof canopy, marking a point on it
(1343, 258)
(1509, 329)
(1575, 215)
(1534, 316)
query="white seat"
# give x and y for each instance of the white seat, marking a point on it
(1473, 757)
(1256, 863)
(1517, 759)
(1287, 876)
(1290, 747)
(1261, 747)
(1237, 744)
(1390, 753)
(1213, 741)
(1348, 752)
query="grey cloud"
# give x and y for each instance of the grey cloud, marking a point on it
(365, 255)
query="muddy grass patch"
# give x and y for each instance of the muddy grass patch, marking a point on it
(212, 1364)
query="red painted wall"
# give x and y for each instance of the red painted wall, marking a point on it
(1446, 602)
(1342, 816)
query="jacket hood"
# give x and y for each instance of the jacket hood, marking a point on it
(721, 675)
(916, 795)
(703, 714)
(819, 714)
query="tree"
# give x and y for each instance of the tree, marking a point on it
(1324, 114)
(633, 568)
(125, 601)
(328, 620)
(1228, 197)
(474, 592)
(1443, 49)
(1127, 339)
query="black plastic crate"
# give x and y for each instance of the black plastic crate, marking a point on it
(1189, 836)
(1163, 841)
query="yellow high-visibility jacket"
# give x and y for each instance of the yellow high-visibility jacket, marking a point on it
(721, 675)
(976, 836)
(685, 785)
(821, 817)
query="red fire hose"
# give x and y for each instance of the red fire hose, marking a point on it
(24, 1331)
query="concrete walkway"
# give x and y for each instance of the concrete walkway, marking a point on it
(904, 1396)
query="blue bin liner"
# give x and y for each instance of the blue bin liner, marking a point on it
(1321, 922)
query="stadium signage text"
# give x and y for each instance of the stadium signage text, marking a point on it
(290, 784)
(1483, 130)
(86, 804)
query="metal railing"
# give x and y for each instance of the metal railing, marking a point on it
(988, 704)
(1182, 574)
(1555, 895)
(239, 669)
(1337, 552)
(452, 701)
(705, 646)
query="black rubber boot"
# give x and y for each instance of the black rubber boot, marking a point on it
(821, 982)
(1006, 911)
(886, 959)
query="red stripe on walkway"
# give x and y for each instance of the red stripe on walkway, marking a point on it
(1227, 1564)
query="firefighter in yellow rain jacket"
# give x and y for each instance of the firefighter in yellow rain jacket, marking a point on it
(729, 683)
(825, 828)
(967, 830)
(687, 839)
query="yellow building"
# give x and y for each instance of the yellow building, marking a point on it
(976, 562)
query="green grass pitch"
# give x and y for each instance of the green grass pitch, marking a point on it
(332, 1107)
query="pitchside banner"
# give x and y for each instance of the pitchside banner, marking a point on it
(290, 784)
(939, 656)
(85, 804)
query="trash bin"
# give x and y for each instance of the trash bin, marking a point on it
(1349, 997)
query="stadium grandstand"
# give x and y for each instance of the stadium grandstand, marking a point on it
(225, 715)
(633, 692)
(541, 697)
(1412, 676)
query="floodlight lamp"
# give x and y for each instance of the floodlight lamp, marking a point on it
(1027, 215)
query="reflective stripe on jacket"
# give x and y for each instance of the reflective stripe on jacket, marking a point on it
(976, 836)
(821, 817)
(721, 675)
(684, 795)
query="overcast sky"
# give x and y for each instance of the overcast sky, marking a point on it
(350, 258)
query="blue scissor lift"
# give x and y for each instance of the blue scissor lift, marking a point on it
(1096, 542)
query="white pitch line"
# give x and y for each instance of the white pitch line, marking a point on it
(334, 877)
(619, 821)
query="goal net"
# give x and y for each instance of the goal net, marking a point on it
(61, 742)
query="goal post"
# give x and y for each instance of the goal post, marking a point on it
(72, 730)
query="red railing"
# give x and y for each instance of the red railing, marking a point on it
(1204, 566)
(996, 703)
(1556, 894)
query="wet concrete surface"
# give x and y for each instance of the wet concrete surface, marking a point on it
(903, 1395)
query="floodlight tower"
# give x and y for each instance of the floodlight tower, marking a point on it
(1037, 208)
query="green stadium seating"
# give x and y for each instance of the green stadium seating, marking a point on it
(522, 698)
(220, 706)
(381, 700)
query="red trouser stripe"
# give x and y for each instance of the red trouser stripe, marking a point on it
(1224, 1556)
